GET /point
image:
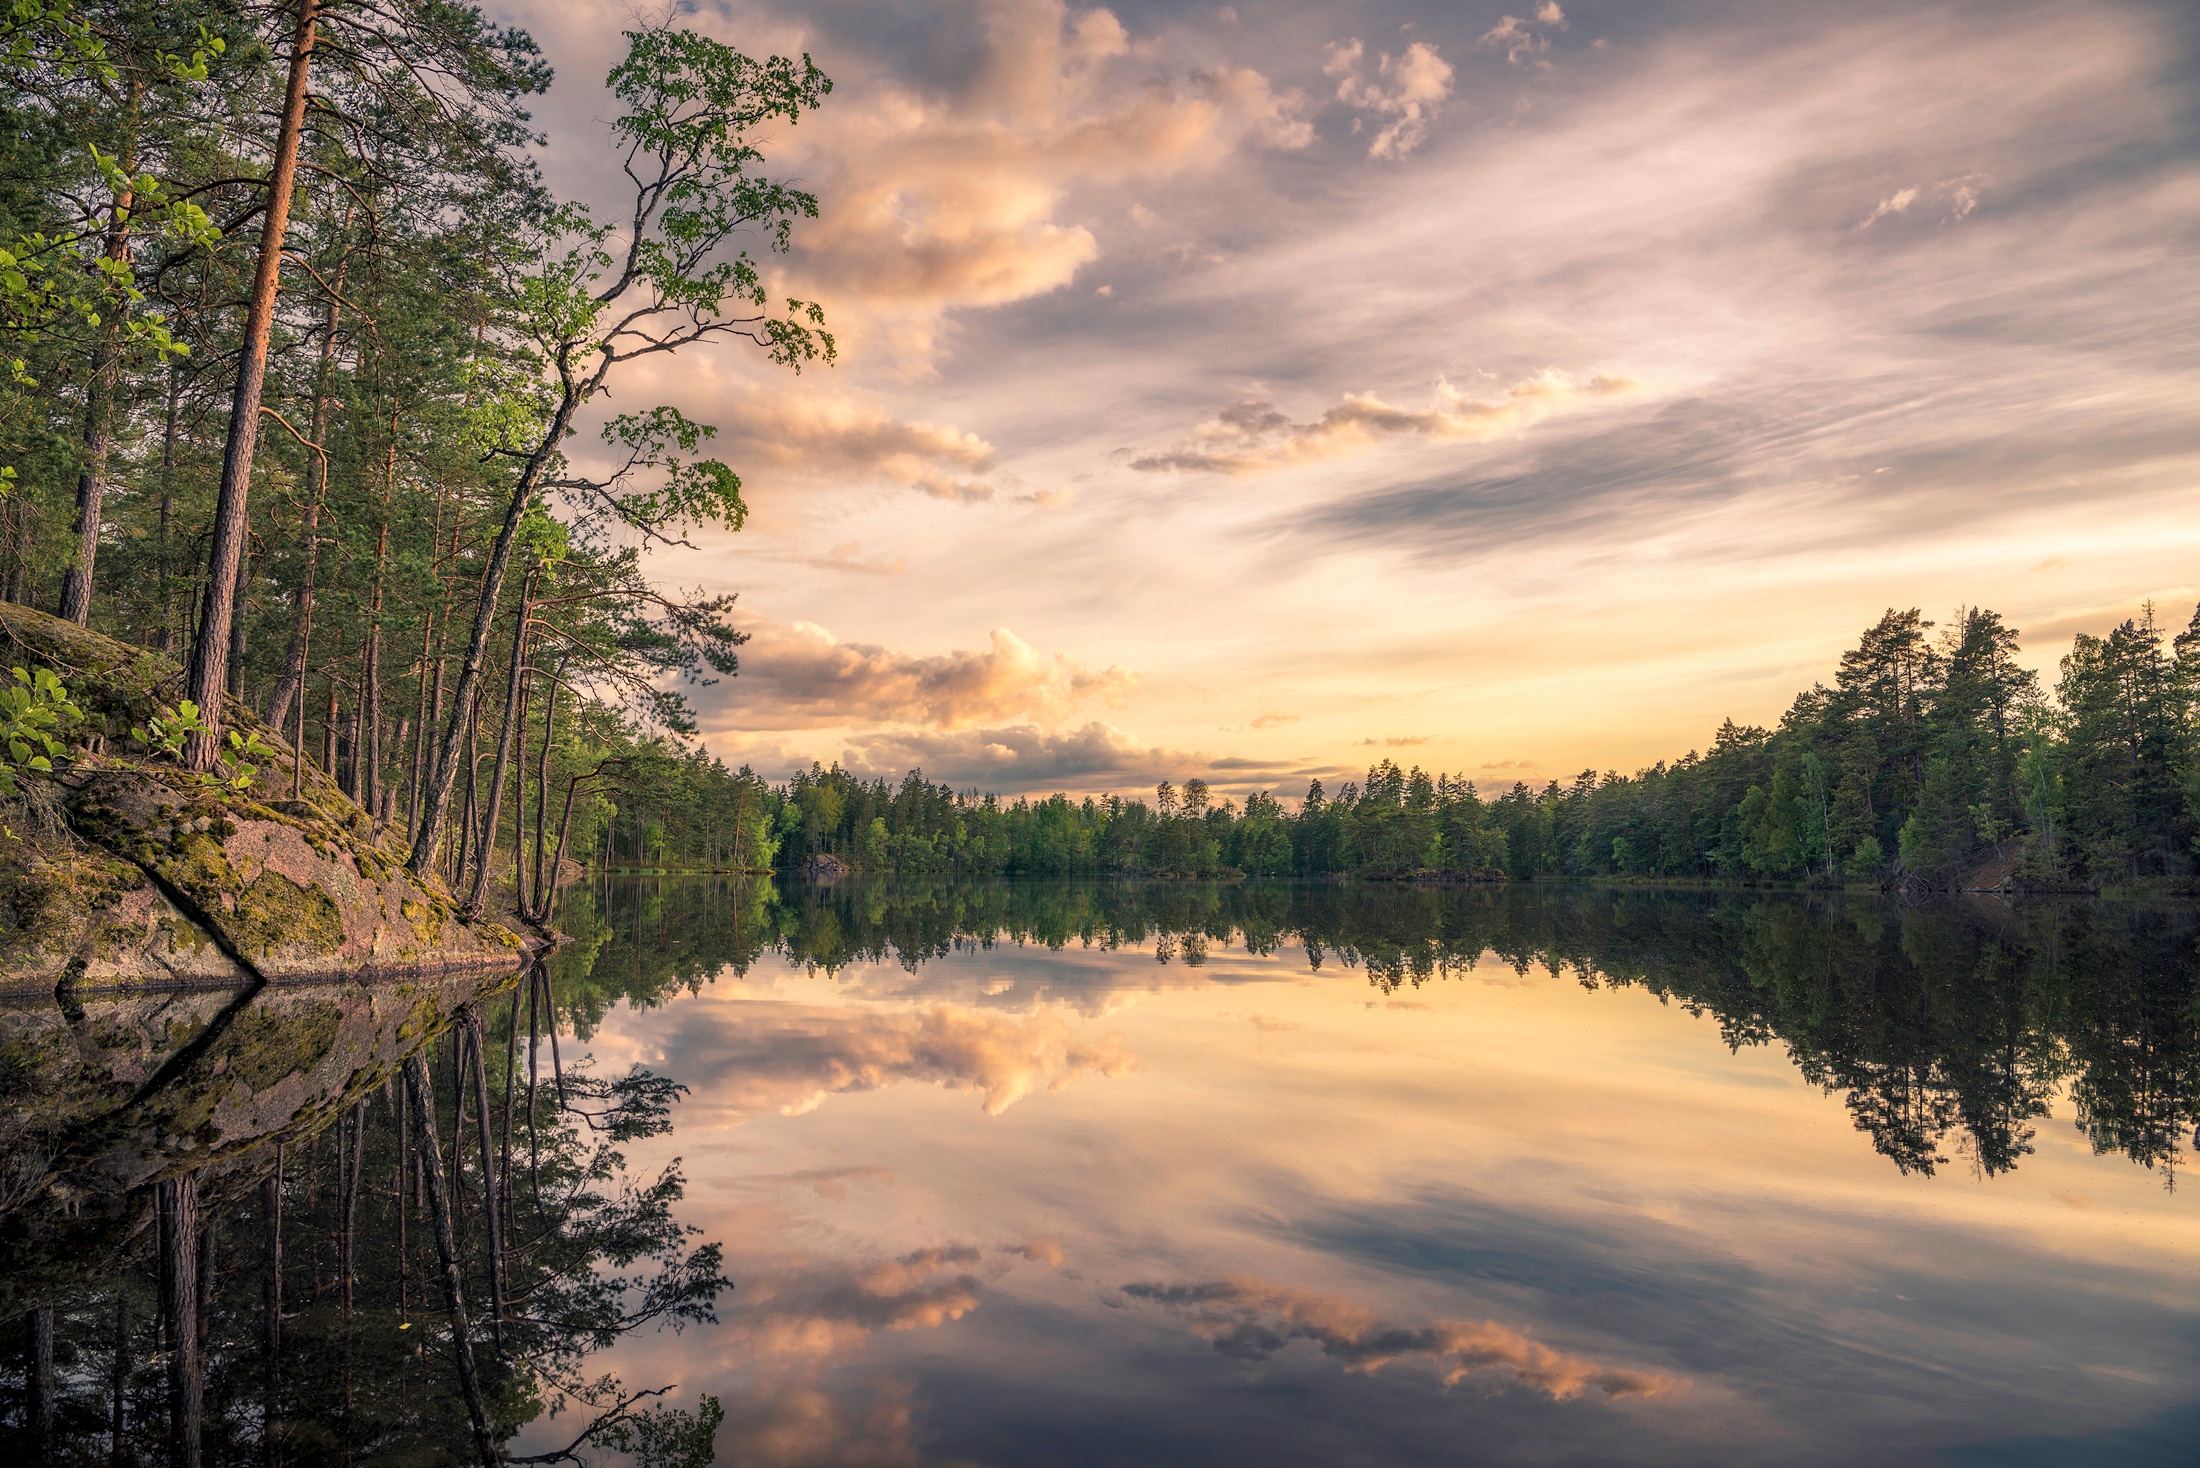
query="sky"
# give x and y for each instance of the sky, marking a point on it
(1505, 388)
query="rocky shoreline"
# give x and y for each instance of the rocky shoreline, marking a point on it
(117, 873)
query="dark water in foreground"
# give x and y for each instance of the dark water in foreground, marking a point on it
(1126, 1174)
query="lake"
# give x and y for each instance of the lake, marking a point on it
(1153, 1173)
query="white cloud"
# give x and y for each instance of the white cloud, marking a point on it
(1519, 38)
(1949, 200)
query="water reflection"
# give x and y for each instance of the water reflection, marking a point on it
(1121, 1173)
(1136, 1173)
(328, 1223)
(1946, 1028)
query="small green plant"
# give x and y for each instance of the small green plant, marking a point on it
(34, 710)
(168, 731)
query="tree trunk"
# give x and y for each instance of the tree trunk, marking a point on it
(328, 731)
(292, 684)
(167, 641)
(118, 1378)
(100, 393)
(491, 1192)
(544, 895)
(348, 1238)
(41, 1378)
(503, 762)
(238, 624)
(469, 835)
(271, 1307)
(209, 1238)
(179, 1252)
(420, 1086)
(210, 650)
(485, 611)
(420, 733)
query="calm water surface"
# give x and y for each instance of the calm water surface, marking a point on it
(1157, 1174)
(1101, 1175)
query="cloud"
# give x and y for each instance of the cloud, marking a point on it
(1253, 436)
(848, 556)
(1397, 741)
(766, 1056)
(1094, 758)
(797, 1425)
(799, 676)
(1251, 1320)
(1519, 38)
(950, 194)
(807, 435)
(827, 1182)
(1409, 89)
(1047, 1251)
(825, 1309)
(1950, 200)
(1274, 721)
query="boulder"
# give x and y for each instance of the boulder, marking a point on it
(131, 871)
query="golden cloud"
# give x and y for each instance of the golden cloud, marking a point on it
(1253, 1319)
(941, 200)
(765, 1056)
(799, 676)
(810, 436)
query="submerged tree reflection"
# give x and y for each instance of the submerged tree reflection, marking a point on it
(411, 1260)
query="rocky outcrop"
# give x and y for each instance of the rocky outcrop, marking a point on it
(126, 872)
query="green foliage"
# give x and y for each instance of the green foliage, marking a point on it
(169, 730)
(668, 1437)
(35, 711)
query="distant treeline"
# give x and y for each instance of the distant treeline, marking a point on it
(1931, 756)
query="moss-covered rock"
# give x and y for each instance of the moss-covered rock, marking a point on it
(159, 877)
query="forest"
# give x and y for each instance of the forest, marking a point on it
(1933, 759)
(298, 350)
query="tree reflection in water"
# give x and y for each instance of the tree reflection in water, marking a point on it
(230, 1231)
(308, 1226)
(1947, 1028)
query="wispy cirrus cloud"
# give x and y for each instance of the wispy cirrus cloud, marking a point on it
(1253, 436)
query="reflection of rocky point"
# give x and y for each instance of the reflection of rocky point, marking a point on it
(108, 1094)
